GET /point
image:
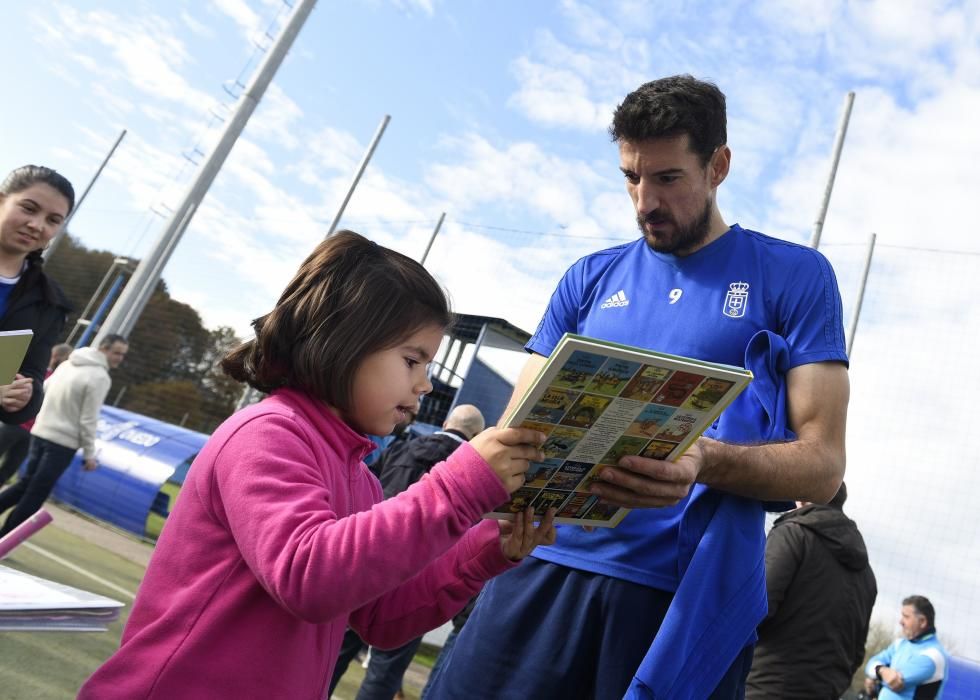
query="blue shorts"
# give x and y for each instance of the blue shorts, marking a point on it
(547, 631)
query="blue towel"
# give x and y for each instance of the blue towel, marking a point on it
(721, 598)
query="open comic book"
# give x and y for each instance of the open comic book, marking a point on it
(599, 401)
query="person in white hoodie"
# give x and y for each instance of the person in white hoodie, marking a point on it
(73, 396)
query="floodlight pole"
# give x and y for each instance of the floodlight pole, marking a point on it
(357, 176)
(141, 285)
(835, 160)
(432, 238)
(56, 241)
(852, 331)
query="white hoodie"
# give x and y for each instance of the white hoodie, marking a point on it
(73, 396)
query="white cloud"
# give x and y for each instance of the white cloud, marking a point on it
(242, 14)
(146, 49)
(195, 26)
(276, 118)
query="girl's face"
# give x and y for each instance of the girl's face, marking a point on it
(389, 383)
(29, 219)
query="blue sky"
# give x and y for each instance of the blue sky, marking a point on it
(499, 111)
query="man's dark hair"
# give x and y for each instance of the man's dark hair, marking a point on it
(923, 607)
(349, 298)
(109, 340)
(670, 107)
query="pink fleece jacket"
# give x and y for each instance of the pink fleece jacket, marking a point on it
(279, 541)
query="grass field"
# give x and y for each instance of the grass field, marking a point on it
(53, 665)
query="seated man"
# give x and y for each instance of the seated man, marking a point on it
(915, 665)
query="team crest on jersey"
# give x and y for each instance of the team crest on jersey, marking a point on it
(736, 300)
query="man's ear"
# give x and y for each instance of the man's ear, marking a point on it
(719, 165)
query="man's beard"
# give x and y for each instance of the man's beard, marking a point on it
(684, 239)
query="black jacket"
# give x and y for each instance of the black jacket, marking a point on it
(42, 307)
(405, 462)
(821, 590)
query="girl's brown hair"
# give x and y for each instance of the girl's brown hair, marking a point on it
(350, 298)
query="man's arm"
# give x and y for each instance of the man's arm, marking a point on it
(809, 468)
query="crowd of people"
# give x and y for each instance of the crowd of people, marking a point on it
(285, 552)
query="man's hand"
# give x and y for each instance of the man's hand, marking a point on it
(892, 678)
(90, 464)
(14, 396)
(507, 451)
(519, 537)
(641, 482)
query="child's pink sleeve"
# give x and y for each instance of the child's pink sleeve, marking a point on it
(271, 491)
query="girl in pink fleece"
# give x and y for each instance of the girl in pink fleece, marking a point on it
(279, 539)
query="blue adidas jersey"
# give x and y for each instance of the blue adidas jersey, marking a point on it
(706, 305)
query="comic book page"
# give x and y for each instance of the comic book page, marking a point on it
(597, 402)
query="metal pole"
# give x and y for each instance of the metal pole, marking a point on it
(838, 147)
(83, 317)
(432, 238)
(357, 177)
(144, 280)
(64, 227)
(860, 299)
(100, 312)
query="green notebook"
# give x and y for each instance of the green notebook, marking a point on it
(13, 347)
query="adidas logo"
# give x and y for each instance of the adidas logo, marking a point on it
(617, 299)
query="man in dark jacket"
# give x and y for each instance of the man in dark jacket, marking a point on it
(821, 590)
(402, 464)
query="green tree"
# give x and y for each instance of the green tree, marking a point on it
(171, 371)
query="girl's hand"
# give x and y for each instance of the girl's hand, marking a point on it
(14, 396)
(507, 451)
(519, 537)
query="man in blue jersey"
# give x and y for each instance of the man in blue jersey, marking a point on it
(914, 666)
(665, 605)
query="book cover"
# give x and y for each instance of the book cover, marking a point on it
(597, 402)
(13, 347)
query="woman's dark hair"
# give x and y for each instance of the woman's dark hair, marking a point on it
(350, 298)
(670, 107)
(17, 181)
(23, 177)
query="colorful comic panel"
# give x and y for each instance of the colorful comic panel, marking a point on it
(520, 500)
(650, 420)
(549, 499)
(586, 410)
(569, 475)
(613, 376)
(561, 441)
(624, 447)
(577, 505)
(645, 384)
(602, 511)
(540, 427)
(538, 473)
(678, 388)
(658, 449)
(591, 478)
(577, 372)
(679, 426)
(553, 405)
(708, 394)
